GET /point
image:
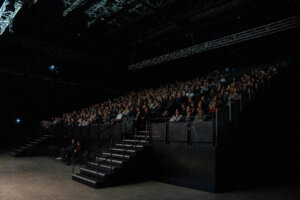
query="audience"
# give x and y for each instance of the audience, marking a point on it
(189, 101)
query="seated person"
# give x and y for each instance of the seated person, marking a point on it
(177, 117)
(165, 114)
(76, 151)
(118, 117)
(188, 116)
(66, 153)
(200, 117)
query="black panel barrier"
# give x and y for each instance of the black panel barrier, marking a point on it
(158, 132)
(178, 132)
(223, 125)
(202, 132)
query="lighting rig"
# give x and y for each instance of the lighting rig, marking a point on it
(71, 5)
(8, 11)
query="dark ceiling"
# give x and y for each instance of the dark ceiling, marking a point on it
(153, 25)
(130, 32)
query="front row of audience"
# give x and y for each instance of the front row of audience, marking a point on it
(66, 154)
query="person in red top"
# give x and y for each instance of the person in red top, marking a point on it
(214, 105)
(77, 149)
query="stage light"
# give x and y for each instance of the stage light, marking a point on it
(52, 68)
(18, 121)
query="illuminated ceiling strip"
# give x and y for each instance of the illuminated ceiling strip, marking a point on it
(104, 8)
(71, 5)
(7, 15)
(221, 42)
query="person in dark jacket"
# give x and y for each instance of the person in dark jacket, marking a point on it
(65, 153)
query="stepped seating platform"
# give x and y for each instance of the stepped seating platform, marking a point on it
(32, 147)
(116, 166)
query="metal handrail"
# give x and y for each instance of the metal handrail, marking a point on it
(111, 144)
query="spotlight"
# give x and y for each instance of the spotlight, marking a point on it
(52, 68)
(18, 121)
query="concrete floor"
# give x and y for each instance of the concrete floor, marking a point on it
(43, 178)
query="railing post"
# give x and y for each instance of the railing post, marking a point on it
(146, 130)
(97, 153)
(111, 143)
(216, 136)
(249, 93)
(269, 86)
(73, 163)
(124, 142)
(230, 110)
(167, 130)
(240, 102)
(97, 161)
(189, 141)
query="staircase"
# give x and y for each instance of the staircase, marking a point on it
(32, 147)
(123, 163)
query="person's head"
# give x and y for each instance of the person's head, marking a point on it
(177, 111)
(78, 143)
(200, 104)
(200, 112)
(188, 109)
(73, 141)
(165, 113)
(202, 98)
(192, 104)
(183, 106)
(235, 90)
(215, 98)
(138, 109)
(146, 109)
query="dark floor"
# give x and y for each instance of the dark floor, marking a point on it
(43, 178)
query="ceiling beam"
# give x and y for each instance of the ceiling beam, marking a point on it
(192, 17)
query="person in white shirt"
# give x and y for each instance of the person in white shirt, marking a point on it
(190, 93)
(119, 116)
(177, 117)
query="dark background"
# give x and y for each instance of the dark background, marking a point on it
(92, 63)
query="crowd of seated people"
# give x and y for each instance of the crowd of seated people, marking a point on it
(192, 100)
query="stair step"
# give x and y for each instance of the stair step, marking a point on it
(105, 166)
(117, 155)
(123, 150)
(29, 145)
(130, 145)
(108, 160)
(92, 172)
(87, 180)
(137, 141)
(24, 147)
(33, 142)
(19, 150)
(141, 136)
(12, 153)
(144, 131)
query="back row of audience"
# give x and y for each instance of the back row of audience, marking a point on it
(192, 100)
